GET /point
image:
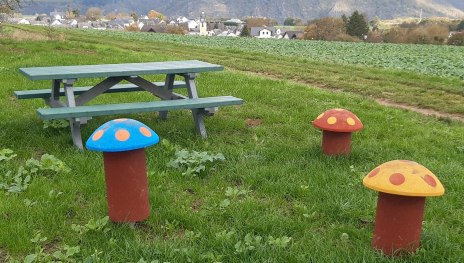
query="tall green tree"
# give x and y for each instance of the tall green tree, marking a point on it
(289, 21)
(245, 32)
(357, 25)
(460, 26)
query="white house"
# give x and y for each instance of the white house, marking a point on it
(73, 23)
(182, 20)
(56, 23)
(24, 22)
(263, 32)
(192, 24)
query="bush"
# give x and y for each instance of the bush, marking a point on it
(374, 37)
(326, 28)
(133, 28)
(177, 30)
(428, 34)
(456, 39)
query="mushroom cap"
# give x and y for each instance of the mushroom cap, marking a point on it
(121, 135)
(403, 177)
(338, 120)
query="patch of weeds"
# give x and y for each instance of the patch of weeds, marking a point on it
(6, 155)
(280, 242)
(249, 243)
(61, 254)
(47, 163)
(225, 235)
(98, 226)
(192, 235)
(460, 149)
(55, 124)
(224, 204)
(194, 163)
(169, 227)
(16, 180)
(252, 242)
(234, 192)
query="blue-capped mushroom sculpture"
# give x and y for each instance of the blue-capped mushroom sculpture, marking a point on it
(123, 143)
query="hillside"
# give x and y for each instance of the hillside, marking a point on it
(304, 9)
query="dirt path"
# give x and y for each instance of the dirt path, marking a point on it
(428, 112)
(384, 102)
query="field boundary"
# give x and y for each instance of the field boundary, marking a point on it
(381, 101)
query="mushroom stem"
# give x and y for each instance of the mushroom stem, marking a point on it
(336, 143)
(127, 185)
(398, 223)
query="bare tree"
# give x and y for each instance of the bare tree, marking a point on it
(93, 13)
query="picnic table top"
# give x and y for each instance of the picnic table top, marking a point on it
(118, 70)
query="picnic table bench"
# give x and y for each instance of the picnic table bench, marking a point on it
(73, 106)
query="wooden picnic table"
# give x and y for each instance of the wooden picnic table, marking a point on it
(73, 106)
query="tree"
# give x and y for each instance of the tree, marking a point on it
(327, 28)
(245, 32)
(152, 14)
(289, 21)
(134, 16)
(93, 13)
(357, 25)
(375, 23)
(345, 19)
(70, 14)
(460, 26)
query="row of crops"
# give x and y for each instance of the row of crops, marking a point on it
(443, 61)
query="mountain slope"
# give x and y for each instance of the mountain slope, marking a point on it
(279, 9)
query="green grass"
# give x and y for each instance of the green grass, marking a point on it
(293, 189)
(399, 86)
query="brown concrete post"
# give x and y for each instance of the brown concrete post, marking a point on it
(126, 185)
(336, 143)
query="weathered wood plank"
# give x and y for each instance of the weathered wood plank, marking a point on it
(118, 70)
(45, 93)
(138, 107)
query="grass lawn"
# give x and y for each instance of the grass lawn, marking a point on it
(275, 198)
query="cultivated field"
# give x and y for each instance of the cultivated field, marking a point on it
(275, 197)
(445, 61)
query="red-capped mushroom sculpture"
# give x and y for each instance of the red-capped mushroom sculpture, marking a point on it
(403, 186)
(337, 126)
(123, 143)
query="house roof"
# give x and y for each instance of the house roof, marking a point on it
(255, 30)
(153, 28)
(293, 34)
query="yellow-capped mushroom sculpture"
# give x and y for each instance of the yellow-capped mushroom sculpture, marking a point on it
(403, 186)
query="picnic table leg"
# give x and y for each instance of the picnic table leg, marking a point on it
(74, 123)
(197, 113)
(54, 100)
(168, 84)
